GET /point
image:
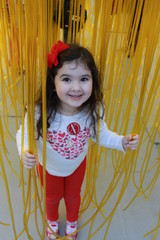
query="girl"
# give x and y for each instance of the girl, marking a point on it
(73, 96)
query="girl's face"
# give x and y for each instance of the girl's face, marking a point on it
(73, 84)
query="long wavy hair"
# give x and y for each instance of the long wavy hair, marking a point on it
(79, 54)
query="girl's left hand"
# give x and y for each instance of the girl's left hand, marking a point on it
(130, 141)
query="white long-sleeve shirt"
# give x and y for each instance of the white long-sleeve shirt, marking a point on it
(67, 142)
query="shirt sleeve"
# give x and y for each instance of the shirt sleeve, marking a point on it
(19, 137)
(108, 138)
(19, 133)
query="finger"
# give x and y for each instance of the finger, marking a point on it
(135, 137)
(128, 138)
(131, 137)
(29, 161)
(28, 164)
(134, 141)
(29, 155)
(132, 145)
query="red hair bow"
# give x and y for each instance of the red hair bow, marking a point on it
(56, 49)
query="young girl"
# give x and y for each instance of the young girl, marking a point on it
(73, 98)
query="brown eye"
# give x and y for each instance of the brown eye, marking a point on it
(84, 79)
(66, 80)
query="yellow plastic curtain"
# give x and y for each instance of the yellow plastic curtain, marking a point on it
(123, 36)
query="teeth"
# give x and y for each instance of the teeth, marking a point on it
(75, 96)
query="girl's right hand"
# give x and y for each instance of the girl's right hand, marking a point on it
(29, 160)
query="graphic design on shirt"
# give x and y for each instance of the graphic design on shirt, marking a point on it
(68, 145)
(73, 128)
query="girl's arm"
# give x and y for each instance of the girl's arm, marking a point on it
(112, 140)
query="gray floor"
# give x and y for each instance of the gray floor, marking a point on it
(131, 224)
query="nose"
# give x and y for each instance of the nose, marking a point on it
(76, 86)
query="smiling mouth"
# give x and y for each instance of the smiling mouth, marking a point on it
(75, 96)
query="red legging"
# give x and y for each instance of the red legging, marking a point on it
(68, 188)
